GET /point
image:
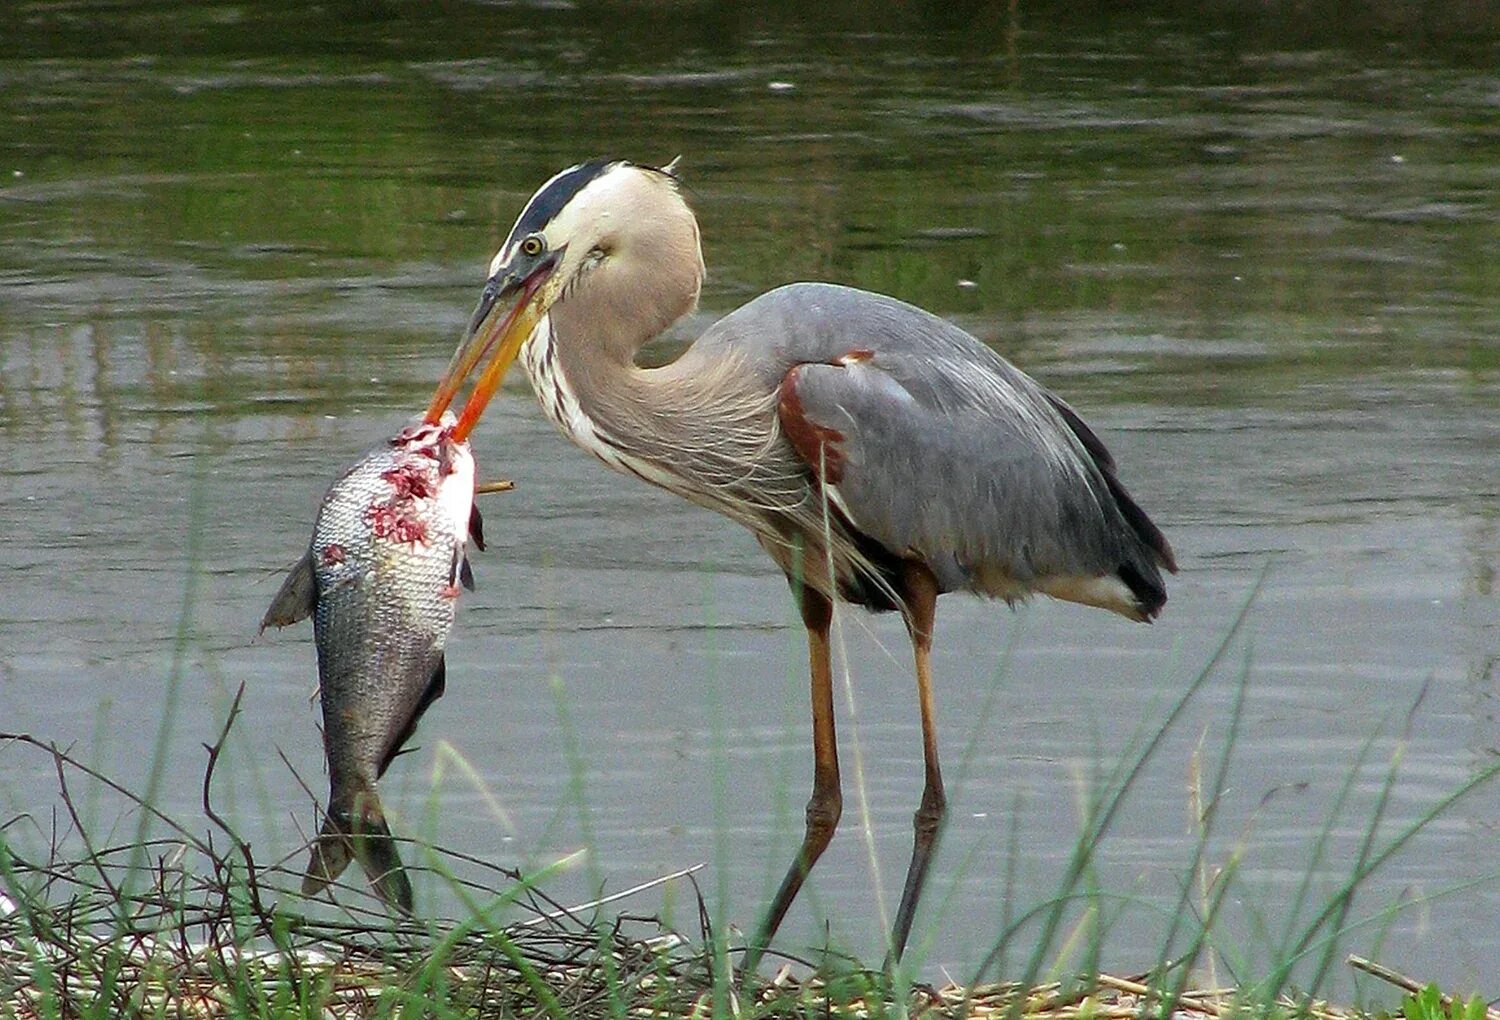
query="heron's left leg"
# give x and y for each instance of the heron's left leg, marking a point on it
(921, 592)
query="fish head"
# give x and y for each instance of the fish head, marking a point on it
(443, 466)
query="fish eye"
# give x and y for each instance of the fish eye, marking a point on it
(532, 245)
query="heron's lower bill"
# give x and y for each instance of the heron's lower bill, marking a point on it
(507, 339)
(380, 580)
(494, 336)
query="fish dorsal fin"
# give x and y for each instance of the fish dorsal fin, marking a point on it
(296, 598)
(476, 526)
(434, 690)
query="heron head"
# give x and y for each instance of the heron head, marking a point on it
(613, 240)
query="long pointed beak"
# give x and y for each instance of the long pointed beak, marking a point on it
(508, 311)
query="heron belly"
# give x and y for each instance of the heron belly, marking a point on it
(1105, 592)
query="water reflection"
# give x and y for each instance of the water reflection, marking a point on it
(1262, 261)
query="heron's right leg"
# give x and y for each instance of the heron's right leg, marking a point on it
(827, 802)
(920, 592)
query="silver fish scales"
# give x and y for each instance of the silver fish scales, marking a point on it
(380, 580)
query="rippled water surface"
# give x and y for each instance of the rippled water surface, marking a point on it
(1259, 255)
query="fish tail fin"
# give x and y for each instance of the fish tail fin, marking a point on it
(375, 849)
(330, 856)
(359, 833)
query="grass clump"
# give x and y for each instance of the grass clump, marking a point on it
(202, 930)
(192, 938)
(1432, 1004)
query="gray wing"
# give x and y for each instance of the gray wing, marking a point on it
(936, 447)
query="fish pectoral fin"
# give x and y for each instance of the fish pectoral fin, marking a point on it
(296, 598)
(466, 574)
(476, 526)
(436, 685)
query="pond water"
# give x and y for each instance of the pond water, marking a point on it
(1259, 254)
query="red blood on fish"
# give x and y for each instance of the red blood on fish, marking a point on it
(424, 440)
(410, 482)
(398, 519)
(333, 553)
(387, 521)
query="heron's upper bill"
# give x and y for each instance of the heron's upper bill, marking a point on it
(507, 313)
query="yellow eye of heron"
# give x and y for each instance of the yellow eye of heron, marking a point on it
(532, 245)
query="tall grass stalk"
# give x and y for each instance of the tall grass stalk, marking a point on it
(851, 740)
(1322, 934)
(577, 780)
(1203, 815)
(182, 642)
(1101, 812)
(723, 971)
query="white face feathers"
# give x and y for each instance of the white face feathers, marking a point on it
(592, 210)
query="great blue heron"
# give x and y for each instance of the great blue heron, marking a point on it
(881, 455)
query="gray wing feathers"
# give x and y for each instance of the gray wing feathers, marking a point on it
(970, 489)
(949, 450)
(1143, 526)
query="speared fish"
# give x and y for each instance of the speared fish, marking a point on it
(380, 580)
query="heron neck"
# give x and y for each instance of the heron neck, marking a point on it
(704, 426)
(697, 426)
